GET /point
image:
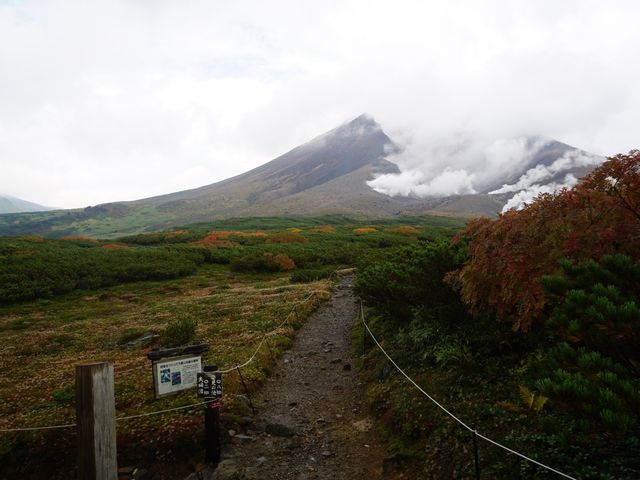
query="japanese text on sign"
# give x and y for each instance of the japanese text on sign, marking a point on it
(209, 384)
(175, 374)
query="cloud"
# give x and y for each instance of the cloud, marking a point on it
(413, 184)
(570, 160)
(528, 194)
(426, 164)
(121, 100)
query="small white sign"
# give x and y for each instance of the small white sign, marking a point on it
(174, 374)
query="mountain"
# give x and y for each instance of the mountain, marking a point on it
(9, 204)
(327, 175)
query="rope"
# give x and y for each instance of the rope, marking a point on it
(127, 417)
(268, 334)
(474, 431)
(160, 412)
(31, 429)
(184, 407)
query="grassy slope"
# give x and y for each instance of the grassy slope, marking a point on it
(150, 218)
(40, 341)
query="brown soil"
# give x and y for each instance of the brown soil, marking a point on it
(310, 420)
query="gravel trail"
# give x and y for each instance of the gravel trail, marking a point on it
(311, 422)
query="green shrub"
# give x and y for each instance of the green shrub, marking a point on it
(65, 395)
(181, 331)
(303, 276)
(592, 367)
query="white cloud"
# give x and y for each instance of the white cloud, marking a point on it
(571, 159)
(427, 164)
(528, 194)
(118, 100)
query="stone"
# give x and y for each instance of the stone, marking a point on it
(246, 421)
(241, 438)
(142, 474)
(142, 341)
(336, 360)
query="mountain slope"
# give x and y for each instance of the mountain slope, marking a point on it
(328, 174)
(9, 204)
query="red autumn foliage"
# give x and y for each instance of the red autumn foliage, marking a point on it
(507, 256)
(215, 239)
(282, 261)
(114, 246)
(221, 238)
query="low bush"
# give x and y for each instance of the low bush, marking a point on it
(263, 262)
(181, 331)
(303, 276)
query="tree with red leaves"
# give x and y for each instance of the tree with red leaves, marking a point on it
(507, 256)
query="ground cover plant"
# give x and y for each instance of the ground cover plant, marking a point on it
(526, 327)
(66, 301)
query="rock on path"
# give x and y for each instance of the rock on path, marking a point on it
(310, 421)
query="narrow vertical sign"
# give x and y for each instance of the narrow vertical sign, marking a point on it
(210, 384)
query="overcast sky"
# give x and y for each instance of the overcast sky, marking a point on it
(116, 100)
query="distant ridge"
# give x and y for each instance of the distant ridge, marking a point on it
(9, 204)
(326, 175)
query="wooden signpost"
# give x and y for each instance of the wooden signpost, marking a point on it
(210, 387)
(176, 369)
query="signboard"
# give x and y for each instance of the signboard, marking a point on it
(173, 374)
(209, 384)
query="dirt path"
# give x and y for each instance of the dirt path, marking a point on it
(310, 420)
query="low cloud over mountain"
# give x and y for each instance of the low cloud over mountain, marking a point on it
(463, 165)
(355, 169)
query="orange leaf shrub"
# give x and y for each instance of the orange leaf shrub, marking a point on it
(364, 230)
(284, 262)
(507, 256)
(324, 229)
(114, 246)
(215, 239)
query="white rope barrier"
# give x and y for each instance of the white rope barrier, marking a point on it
(31, 429)
(268, 334)
(445, 410)
(160, 412)
(127, 417)
(184, 407)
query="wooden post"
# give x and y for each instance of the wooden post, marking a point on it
(475, 453)
(96, 422)
(212, 425)
(246, 390)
